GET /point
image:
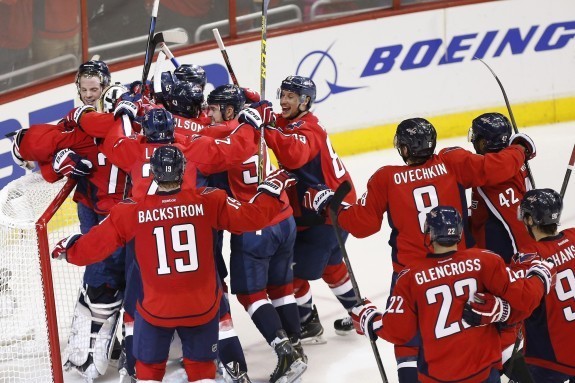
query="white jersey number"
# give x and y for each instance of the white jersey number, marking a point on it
(177, 232)
(425, 200)
(566, 277)
(442, 329)
(113, 173)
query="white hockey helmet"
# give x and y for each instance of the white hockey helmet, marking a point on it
(110, 96)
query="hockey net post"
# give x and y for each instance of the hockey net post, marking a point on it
(37, 294)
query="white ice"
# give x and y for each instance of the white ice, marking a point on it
(350, 358)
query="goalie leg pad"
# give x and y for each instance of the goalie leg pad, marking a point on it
(93, 333)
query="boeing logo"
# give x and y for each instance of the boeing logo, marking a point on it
(322, 69)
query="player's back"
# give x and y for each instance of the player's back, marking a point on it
(411, 192)
(550, 330)
(174, 251)
(493, 221)
(436, 288)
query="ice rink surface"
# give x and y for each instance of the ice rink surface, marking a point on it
(350, 358)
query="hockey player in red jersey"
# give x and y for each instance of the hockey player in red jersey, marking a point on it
(407, 193)
(493, 219)
(181, 288)
(429, 297)
(260, 261)
(302, 145)
(550, 329)
(61, 150)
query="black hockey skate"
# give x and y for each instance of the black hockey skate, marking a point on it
(290, 363)
(343, 326)
(312, 330)
(296, 344)
(237, 375)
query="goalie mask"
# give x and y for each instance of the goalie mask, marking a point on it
(168, 164)
(544, 206)
(158, 126)
(444, 225)
(304, 87)
(227, 95)
(418, 136)
(109, 97)
(493, 129)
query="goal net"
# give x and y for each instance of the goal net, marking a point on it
(36, 292)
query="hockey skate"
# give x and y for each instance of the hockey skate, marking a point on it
(235, 374)
(343, 326)
(312, 330)
(296, 344)
(290, 363)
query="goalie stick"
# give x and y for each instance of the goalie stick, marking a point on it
(568, 173)
(340, 193)
(222, 47)
(529, 173)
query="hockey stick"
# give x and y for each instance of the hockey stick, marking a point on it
(529, 173)
(174, 36)
(568, 173)
(149, 46)
(169, 55)
(336, 201)
(262, 142)
(225, 55)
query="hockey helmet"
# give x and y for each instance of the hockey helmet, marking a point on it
(494, 128)
(418, 135)
(544, 206)
(158, 125)
(168, 164)
(302, 86)
(444, 225)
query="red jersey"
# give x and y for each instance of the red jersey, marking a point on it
(190, 126)
(493, 220)
(302, 147)
(173, 235)
(428, 300)
(101, 189)
(550, 330)
(241, 180)
(408, 193)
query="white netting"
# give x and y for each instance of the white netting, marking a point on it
(24, 347)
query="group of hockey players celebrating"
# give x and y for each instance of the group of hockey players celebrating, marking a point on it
(161, 173)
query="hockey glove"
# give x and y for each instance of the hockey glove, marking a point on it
(317, 198)
(72, 119)
(485, 309)
(251, 117)
(266, 111)
(525, 141)
(136, 88)
(276, 182)
(16, 151)
(68, 163)
(128, 108)
(251, 95)
(59, 251)
(363, 315)
(544, 270)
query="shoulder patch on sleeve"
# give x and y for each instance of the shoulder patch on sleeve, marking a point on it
(208, 190)
(402, 273)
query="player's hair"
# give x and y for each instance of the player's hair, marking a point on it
(227, 95)
(302, 86)
(444, 225)
(168, 165)
(544, 206)
(494, 129)
(418, 136)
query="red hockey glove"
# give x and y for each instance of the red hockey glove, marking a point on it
(525, 141)
(59, 251)
(317, 198)
(363, 315)
(544, 270)
(266, 111)
(67, 163)
(485, 308)
(276, 182)
(251, 95)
